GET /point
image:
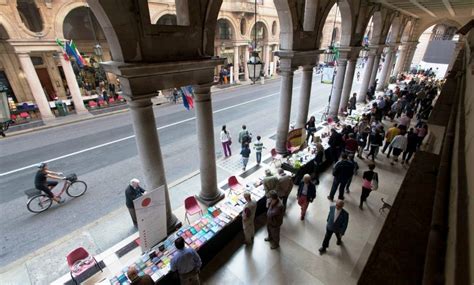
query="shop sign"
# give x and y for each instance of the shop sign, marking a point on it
(151, 217)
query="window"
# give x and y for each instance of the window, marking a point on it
(261, 33)
(243, 27)
(167, 20)
(274, 28)
(30, 15)
(224, 31)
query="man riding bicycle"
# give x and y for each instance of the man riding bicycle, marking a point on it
(42, 183)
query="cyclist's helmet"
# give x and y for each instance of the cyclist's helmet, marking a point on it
(42, 165)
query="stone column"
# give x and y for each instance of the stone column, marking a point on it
(275, 60)
(337, 87)
(246, 60)
(410, 55)
(236, 64)
(400, 60)
(73, 86)
(375, 69)
(305, 95)
(210, 193)
(385, 74)
(267, 59)
(369, 65)
(35, 86)
(149, 151)
(286, 90)
(347, 87)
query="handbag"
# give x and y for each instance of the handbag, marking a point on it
(375, 182)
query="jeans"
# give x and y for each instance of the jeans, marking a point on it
(386, 145)
(245, 160)
(226, 146)
(338, 183)
(259, 157)
(374, 149)
(407, 155)
(328, 236)
(364, 195)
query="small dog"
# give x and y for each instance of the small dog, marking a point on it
(385, 205)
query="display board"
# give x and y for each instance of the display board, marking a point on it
(295, 137)
(327, 75)
(151, 217)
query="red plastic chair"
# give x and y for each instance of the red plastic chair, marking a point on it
(92, 104)
(290, 148)
(275, 156)
(234, 183)
(192, 207)
(111, 100)
(79, 260)
(24, 115)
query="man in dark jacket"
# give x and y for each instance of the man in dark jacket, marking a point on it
(337, 222)
(275, 214)
(342, 172)
(133, 192)
(335, 144)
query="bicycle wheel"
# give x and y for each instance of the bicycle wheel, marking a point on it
(39, 203)
(76, 188)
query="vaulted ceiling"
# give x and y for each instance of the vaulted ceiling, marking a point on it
(431, 8)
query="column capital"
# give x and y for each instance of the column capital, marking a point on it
(307, 68)
(143, 102)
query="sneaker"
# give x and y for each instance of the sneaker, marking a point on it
(274, 246)
(348, 190)
(267, 239)
(61, 200)
(360, 207)
(330, 199)
(322, 250)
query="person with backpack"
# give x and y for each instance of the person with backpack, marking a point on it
(245, 153)
(245, 137)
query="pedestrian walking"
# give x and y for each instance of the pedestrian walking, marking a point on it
(248, 217)
(337, 222)
(356, 168)
(318, 162)
(187, 263)
(133, 192)
(352, 103)
(306, 194)
(245, 153)
(310, 128)
(258, 147)
(376, 140)
(399, 145)
(358, 75)
(370, 181)
(284, 186)
(350, 145)
(342, 171)
(421, 132)
(245, 137)
(226, 141)
(412, 143)
(391, 133)
(275, 214)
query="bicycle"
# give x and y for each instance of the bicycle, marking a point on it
(39, 202)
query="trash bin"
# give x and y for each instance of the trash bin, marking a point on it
(61, 107)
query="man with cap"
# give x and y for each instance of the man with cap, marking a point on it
(133, 192)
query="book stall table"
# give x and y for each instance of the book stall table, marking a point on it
(208, 235)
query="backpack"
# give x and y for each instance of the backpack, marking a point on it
(247, 138)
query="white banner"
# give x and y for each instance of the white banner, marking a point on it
(151, 217)
(327, 75)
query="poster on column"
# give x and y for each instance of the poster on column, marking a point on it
(151, 217)
(327, 75)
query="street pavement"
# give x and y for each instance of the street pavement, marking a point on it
(103, 153)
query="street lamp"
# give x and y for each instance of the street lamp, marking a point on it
(329, 55)
(255, 63)
(98, 50)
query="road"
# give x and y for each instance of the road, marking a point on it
(103, 153)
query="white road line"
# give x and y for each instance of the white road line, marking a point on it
(132, 136)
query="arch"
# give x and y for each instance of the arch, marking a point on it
(344, 9)
(262, 29)
(80, 25)
(6, 24)
(393, 31)
(421, 28)
(158, 15)
(285, 17)
(377, 24)
(61, 15)
(109, 32)
(407, 31)
(167, 20)
(228, 23)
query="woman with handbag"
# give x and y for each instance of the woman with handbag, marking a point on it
(306, 194)
(370, 182)
(226, 141)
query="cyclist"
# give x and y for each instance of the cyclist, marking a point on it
(41, 182)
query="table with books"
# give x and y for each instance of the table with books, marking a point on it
(208, 235)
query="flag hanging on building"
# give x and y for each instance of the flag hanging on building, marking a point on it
(188, 97)
(72, 52)
(73, 45)
(61, 44)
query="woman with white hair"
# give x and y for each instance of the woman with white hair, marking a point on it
(133, 192)
(306, 194)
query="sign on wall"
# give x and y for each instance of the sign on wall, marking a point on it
(327, 75)
(151, 217)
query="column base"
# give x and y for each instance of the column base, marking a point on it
(173, 224)
(47, 120)
(211, 201)
(83, 112)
